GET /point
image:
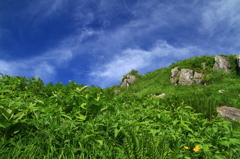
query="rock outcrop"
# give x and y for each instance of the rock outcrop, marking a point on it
(128, 80)
(222, 63)
(185, 76)
(174, 76)
(197, 77)
(230, 113)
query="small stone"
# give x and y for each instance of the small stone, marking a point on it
(161, 95)
(230, 113)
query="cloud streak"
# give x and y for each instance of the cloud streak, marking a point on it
(159, 56)
(44, 66)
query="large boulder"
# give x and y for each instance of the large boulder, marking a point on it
(222, 63)
(230, 113)
(186, 77)
(128, 80)
(174, 76)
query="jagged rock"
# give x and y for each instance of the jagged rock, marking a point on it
(128, 80)
(197, 78)
(174, 76)
(222, 63)
(161, 95)
(229, 113)
(186, 77)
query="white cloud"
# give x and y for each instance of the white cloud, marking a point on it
(127, 60)
(44, 71)
(44, 65)
(220, 25)
(58, 57)
(157, 57)
(221, 16)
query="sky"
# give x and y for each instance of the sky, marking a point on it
(96, 42)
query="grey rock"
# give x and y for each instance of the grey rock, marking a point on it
(174, 76)
(222, 63)
(161, 95)
(186, 77)
(197, 77)
(128, 80)
(230, 113)
(221, 91)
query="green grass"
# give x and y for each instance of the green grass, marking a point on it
(77, 121)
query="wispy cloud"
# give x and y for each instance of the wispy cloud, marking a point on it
(221, 16)
(221, 25)
(161, 55)
(44, 9)
(44, 65)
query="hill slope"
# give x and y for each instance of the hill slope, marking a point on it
(77, 121)
(158, 81)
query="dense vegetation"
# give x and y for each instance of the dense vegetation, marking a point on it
(77, 121)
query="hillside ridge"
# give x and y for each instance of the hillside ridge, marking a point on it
(211, 71)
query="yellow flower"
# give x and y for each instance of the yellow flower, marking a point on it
(187, 148)
(197, 148)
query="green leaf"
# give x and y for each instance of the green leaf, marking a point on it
(82, 89)
(104, 108)
(19, 116)
(81, 117)
(166, 118)
(39, 101)
(100, 142)
(234, 141)
(4, 123)
(116, 132)
(82, 105)
(87, 136)
(217, 157)
(7, 114)
(66, 116)
(185, 127)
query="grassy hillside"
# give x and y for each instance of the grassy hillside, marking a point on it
(197, 96)
(77, 121)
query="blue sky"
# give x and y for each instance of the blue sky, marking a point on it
(96, 42)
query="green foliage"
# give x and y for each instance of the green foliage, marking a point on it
(201, 64)
(77, 121)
